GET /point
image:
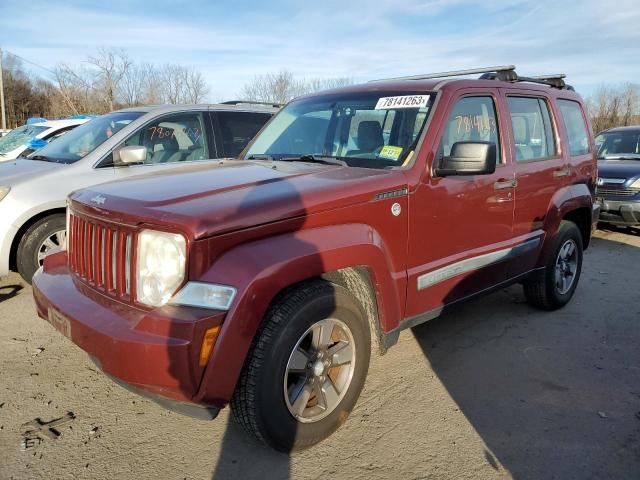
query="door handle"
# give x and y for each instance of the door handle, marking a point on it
(563, 172)
(503, 184)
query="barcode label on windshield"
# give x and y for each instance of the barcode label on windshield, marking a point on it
(404, 101)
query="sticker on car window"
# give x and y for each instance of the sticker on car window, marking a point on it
(390, 152)
(404, 101)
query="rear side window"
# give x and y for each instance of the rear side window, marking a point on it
(532, 131)
(472, 119)
(238, 128)
(576, 127)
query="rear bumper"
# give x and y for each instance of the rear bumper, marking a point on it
(154, 352)
(620, 212)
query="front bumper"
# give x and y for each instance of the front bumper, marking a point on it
(618, 212)
(7, 234)
(154, 352)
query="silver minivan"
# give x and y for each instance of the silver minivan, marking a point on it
(134, 141)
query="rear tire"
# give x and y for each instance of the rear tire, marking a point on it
(270, 401)
(553, 287)
(37, 242)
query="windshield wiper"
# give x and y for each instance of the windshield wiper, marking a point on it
(42, 158)
(260, 157)
(620, 157)
(317, 159)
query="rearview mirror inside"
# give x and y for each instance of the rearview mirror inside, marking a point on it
(132, 154)
(469, 158)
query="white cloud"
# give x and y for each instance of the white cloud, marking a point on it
(590, 41)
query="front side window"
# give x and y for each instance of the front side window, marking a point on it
(19, 137)
(575, 126)
(238, 128)
(620, 145)
(84, 139)
(370, 130)
(179, 137)
(473, 119)
(532, 131)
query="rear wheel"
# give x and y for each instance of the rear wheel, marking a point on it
(306, 367)
(37, 242)
(553, 287)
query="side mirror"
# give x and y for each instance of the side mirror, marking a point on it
(469, 158)
(132, 154)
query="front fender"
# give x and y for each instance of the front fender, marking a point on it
(263, 268)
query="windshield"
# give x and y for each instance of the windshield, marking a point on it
(86, 138)
(19, 137)
(371, 130)
(622, 144)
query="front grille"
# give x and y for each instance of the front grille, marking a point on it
(101, 254)
(619, 192)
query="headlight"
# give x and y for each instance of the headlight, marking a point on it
(635, 184)
(160, 266)
(4, 191)
(205, 295)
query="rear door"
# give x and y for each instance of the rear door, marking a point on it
(234, 130)
(540, 166)
(460, 227)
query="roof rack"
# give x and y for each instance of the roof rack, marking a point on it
(504, 73)
(251, 102)
(505, 70)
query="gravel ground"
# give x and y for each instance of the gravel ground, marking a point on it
(493, 389)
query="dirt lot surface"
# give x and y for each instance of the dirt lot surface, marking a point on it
(494, 389)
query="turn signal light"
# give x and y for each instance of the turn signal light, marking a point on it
(208, 340)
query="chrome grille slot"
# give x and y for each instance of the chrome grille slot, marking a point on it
(619, 192)
(100, 254)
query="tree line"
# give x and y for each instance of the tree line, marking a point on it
(110, 79)
(106, 81)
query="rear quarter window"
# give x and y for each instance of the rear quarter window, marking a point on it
(576, 127)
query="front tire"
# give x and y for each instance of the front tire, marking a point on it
(38, 241)
(306, 367)
(553, 287)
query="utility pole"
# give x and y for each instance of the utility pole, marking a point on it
(4, 115)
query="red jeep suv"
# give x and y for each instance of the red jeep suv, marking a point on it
(265, 282)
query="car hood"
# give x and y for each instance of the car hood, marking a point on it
(18, 171)
(618, 168)
(205, 200)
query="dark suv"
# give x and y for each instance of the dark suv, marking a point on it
(265, 282)
(619, 181)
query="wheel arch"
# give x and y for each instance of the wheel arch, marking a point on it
(353, 256)
(28, 223)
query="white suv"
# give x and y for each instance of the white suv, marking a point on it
(16, 142)
(134, 141)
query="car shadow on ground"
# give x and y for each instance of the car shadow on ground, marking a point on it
(9, 291)
(551, 394)
(243, 457)
(548, 404)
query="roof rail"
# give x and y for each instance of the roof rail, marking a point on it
(251, 102)
(505, 73)
(505, 70)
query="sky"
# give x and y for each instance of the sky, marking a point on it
(231, 42)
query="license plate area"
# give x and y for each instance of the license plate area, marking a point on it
(60, 322)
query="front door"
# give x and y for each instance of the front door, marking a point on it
(461, 226)
(171, 140)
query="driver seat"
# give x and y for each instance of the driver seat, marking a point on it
(369, 138)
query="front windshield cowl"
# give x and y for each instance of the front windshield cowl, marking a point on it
(357, 129)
